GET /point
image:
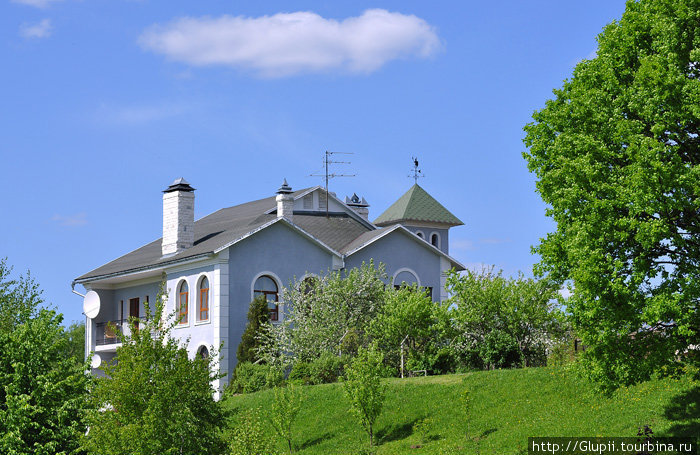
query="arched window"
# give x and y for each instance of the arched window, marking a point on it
(308, 284)
(182, 300)
(203, 310)
(405, 278)
(203, 352)
(435, 240)
(420, 234)
(266, 286)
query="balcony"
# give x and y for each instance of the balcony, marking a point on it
(109, 334)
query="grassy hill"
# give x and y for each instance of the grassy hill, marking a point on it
(508, 406)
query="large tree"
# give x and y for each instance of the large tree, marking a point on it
(616, 154)
(42, 384)
(155, 400)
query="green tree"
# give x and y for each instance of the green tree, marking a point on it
(19, 298)
(249, 436)
(155, 400)
(509, 321)
(408, 314)
(258, 317)
(42, 387)
(42, 390)
(321, 314)
(616, 154)
(364, 388)
(75, 341)
(285, 408)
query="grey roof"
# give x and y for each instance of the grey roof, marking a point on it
(225, 226)
(341, 233)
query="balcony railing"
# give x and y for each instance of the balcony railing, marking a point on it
(111, 332)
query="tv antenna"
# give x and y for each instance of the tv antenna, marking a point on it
(417, 173)
(326, 162)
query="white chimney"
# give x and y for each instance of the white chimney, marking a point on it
(360, 206)
(285, 202)
(178, 217)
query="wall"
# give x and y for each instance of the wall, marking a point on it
(278, 251)
(397, 251)
(428, 231)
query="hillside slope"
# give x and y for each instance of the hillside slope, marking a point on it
(508, 406)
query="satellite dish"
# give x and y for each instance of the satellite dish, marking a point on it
(96, 361)
(91, 304)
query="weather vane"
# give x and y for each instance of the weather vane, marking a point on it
(417, 173)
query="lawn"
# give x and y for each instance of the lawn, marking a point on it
(508, 406)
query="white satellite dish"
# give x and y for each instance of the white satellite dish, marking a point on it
(96, 361)
(91, 304)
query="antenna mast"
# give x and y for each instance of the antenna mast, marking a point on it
(416, 173)
(327, 161)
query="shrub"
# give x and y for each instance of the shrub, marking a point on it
(249, 378)
(249, 437)
(422, 428)
(301, 373)
(325, 369)
(285, 408)
(500, 350)
(364, 389)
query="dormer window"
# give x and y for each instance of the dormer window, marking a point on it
(182, 303)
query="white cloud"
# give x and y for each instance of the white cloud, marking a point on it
(40, 30)
(79, 219)
(291, 43)
(36, 3)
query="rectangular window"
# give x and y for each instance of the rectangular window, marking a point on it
(182, 308)
(309, 201)
(203, 304)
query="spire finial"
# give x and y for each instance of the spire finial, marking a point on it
(417, 173)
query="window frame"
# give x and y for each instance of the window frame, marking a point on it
(201, 292)
(257, 292)
(183, 317)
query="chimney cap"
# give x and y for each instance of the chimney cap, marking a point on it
(285, 188)
(356, 201)
(179, 185)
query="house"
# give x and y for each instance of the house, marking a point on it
(215, 266)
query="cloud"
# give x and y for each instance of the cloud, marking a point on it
(462, 244)
(40, 30)
(291, 43)
(79, 219)
(36, 3)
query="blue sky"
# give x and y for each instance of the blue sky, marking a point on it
(104, 103)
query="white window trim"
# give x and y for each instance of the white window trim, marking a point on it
(278, 281)
(420, 234)
(405, 269)
(177, 301)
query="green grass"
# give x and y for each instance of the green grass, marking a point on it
(508, 406)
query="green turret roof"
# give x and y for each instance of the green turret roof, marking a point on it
(417, 205)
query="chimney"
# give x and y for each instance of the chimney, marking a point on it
(360, 206)
(285, 202)
(178, 217)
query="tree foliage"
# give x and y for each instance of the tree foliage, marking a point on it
(409, 314)
(323, 312)
(616, 154)
(258, 317)
(508, 321)
(364, 388)
(155, 400)
(285, 408)
(42, 386)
